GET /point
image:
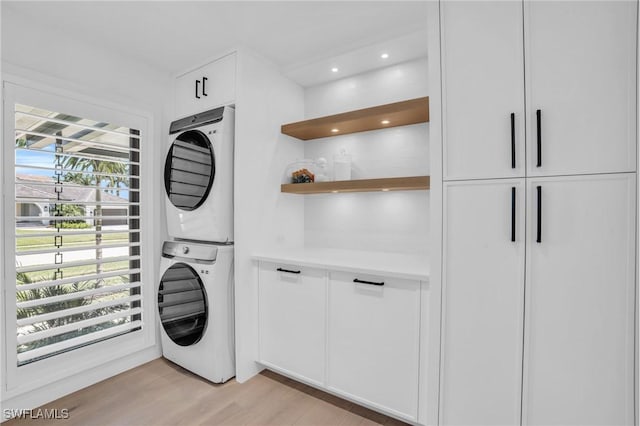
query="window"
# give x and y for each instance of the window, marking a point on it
(77, 231)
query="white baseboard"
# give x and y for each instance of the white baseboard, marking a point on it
(38, 397)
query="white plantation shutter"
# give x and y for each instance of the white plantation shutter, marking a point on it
(77, 232)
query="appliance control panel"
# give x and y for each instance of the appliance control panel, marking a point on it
(202, 253)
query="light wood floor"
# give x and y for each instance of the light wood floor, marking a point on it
(161, 393)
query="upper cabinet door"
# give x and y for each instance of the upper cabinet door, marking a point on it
(581, 77)
(483, 86)
(207, 87)
(580, 291)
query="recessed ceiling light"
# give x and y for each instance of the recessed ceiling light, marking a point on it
(335, 130)
(384, 55)
(334, 192)
(385, 189)
(384, 122)
(334, 69)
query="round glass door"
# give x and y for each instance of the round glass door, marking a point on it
(182, 303)
(189, 170)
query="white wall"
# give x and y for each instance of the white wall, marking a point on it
(45, 55)
(399, 82)
(264, 217)
(389, 221)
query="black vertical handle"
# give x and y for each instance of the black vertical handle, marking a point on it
(513, 213)
(539, 233)
(197, 87)
(204, 88)
(513, 140)
(539, 129)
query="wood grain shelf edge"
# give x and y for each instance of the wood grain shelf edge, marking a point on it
(402, 113)
(410, 183)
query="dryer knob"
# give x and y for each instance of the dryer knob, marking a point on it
(185, 250)
(194, 118)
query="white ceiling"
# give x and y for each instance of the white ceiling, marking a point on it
(176, 35)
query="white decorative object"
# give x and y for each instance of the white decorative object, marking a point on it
(322, 170)
(342, 166)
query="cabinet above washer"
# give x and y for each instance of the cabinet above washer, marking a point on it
(206, 87)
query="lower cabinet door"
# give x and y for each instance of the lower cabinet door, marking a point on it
(373, 341)
(292, 316)
(579, 325)
(482, 302)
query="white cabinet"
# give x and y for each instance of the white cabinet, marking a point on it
(292, 316)
(207, 87)
(373, 325)
(354, 335)
(574, 271)
(581, 76)
(483, 288)
(579, 301)
(577, 72)
(482, 86)
(579, 333)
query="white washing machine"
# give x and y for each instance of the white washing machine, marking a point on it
(198, 177)
(195, 304)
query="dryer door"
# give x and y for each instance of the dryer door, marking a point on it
(182, 304)
(189, 170)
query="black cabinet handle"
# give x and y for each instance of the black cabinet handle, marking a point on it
(197, 86)
(356, 280)
(513, 213)
(204, 89)
(539, 142)
(539, 233)
(287, 270)
(513, 140)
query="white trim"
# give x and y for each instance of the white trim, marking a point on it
(3, 235)
(76, 368)
(430, 322)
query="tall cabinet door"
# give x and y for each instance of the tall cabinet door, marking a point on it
(581, 86)
(483, 294)
(580, 291)
(483, 86)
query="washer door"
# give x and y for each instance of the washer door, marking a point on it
(189, 170)
(182, 303)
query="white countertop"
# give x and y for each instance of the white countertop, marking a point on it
(397, 265)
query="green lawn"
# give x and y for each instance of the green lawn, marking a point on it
(24, 243)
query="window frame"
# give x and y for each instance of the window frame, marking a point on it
(37, 374)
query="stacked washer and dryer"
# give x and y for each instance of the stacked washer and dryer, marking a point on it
(195, 294)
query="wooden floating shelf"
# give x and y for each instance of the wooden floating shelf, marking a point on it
(396, 114)
(411, 183)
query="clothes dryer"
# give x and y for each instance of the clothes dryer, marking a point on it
(198, 177)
